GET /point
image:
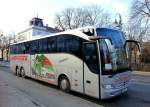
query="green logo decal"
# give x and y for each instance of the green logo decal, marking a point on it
(42, 64)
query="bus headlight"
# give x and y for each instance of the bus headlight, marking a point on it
(108, 86)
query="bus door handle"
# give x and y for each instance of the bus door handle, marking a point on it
(87, 81)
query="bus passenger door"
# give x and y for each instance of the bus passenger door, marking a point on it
(91, 69)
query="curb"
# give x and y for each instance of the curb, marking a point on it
(141, 73)
(4, 64)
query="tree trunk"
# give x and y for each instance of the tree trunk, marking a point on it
(7, 54)
(2, 53)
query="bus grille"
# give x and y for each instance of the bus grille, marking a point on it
(121, 85)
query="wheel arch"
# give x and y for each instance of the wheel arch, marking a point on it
(15, 69)
(63, 76)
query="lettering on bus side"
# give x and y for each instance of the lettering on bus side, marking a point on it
(48, 76)
(120, 79)
(19, 58)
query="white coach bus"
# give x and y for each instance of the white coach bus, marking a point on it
(91, 61)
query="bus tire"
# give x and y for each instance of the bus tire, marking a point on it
(64, 84)
(22, 72)
(17, 71)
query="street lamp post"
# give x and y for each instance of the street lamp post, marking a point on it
(118, 22)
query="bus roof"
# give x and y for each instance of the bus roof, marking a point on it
(77, 32)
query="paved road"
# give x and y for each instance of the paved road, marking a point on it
(40, 94)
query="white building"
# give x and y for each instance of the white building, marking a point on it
(36, 28)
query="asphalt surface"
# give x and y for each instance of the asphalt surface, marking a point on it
(18, 92)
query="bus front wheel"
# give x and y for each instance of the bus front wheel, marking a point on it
(64, 84)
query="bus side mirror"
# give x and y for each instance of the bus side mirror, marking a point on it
(133, 41)
(126, 48)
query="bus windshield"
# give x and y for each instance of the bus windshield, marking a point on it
(119, 55)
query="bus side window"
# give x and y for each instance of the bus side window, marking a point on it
(77, 46)
(64, 44)
(17, 49)
(12, 49)
(44, 41)
(27, 47)
(68, 45)
(51, 44)
(34, 47)
(22, 48)
(43, 45)
(74, 46)
(61, 44)
(91, 57)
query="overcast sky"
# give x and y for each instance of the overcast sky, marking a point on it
(15, 14)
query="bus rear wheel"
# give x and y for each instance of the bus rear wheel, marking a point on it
(22, 72)
(64, 84)
(17, 71)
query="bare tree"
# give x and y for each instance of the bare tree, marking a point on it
(141, 8)
(138, 27)
(140, 19)
(5, 41)
(9, 40)
(71, 18)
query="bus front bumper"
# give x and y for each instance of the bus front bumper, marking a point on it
(110, 93)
